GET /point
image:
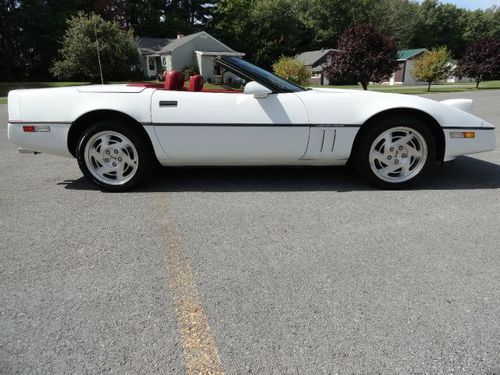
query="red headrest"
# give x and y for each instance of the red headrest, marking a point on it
(174, 80)
(196, 83)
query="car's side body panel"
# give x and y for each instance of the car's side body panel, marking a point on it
(355, 107)
(330, 142)
(351, 107)
(67, 104)
(225, 129)
(58, 108)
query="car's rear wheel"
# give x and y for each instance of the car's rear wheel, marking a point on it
(114, 156)
(395, 152)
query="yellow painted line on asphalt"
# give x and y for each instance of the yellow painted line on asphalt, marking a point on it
(200, 351)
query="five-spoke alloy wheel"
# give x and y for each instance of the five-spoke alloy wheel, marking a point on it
(111, 157)
(114, 156)
(395, 152)
(398, 154)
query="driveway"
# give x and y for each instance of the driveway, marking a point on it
(250, 270)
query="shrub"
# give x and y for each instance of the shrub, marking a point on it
(292, 70)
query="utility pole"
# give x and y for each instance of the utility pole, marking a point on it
(98, 54)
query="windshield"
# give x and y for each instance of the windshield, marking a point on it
(254, 73)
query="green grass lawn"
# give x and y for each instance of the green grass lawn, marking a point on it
(422, 89)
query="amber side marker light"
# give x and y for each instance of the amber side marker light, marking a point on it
(468, 135)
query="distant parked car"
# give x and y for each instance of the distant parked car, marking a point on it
(119, 133)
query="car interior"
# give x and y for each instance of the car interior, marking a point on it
(174, 81)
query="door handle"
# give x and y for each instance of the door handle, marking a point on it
(168, 103)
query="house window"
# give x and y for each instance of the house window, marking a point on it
(217, 70)
(164, 61)
(151, 63)
(316, 75)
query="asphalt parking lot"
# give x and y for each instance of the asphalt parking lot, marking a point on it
(250, 270)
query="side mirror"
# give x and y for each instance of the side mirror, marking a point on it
(257, 90)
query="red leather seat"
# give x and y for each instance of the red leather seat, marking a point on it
(174, 80)
(196, 83)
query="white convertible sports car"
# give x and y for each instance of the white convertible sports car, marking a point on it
(119, 133)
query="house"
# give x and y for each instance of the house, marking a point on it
(406, 61)
(315, 61)
(454, 78)
(194, 50)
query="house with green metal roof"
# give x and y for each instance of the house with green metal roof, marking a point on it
(406, 61)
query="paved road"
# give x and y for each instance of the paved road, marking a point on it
(281, 270)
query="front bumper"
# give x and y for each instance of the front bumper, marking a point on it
(484, 140)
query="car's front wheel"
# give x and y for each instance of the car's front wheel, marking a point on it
(114, 156)
(395, 153)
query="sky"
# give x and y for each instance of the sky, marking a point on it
(473, 4)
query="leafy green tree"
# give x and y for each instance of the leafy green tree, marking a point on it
(30, 31)
(397, 18)
(481, 59)
(263, 29)
(482, 24)
(292, 70)
(440, 24)
(79, 59)
(326, 19)
(365, 54)
(433, 66)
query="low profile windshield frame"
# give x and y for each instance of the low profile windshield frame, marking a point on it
(250, 72)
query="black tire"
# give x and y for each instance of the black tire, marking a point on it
(361, 153)
(146, 160)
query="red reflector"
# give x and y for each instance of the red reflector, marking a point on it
(29, 129)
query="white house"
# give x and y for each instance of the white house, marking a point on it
(194, 50)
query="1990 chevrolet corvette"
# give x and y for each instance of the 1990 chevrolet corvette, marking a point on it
(119, 133)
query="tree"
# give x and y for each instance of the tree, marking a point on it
(398, 19)
(30, 32)
(481, 60)
(292, 70)
(118, 50)
(263, 29)
(365, 54)
(433, 66)
(438, 25)
(482, 24)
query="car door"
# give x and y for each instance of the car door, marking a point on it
(214, 128)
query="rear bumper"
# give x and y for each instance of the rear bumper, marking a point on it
(484, 140)
(54, 141)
